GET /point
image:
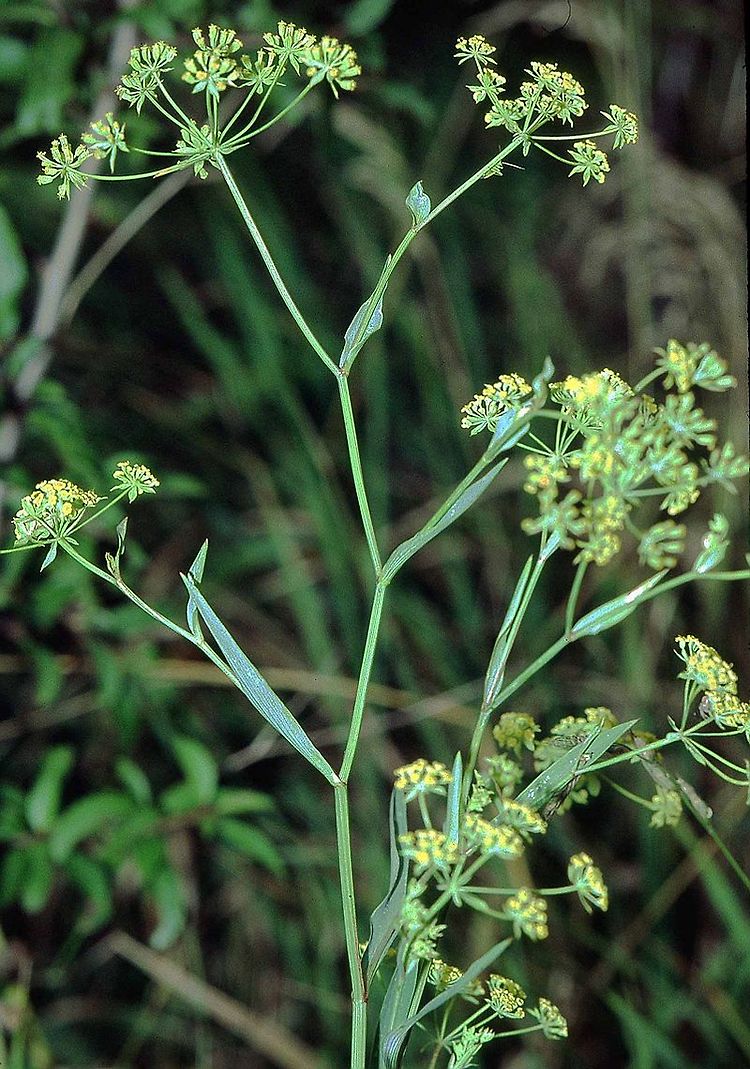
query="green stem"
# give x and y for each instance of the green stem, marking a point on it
(153, 613)
(575, 590)
(465, 483)
(513, 890)
(95, 515)
(181, 166)
(351, 935)
(247, 132)
(533, 668)
(628, 794)
(278, 281)
(407, 239)
(168, 96)
(368, 655)
(655, 374)
(708, 827)
(356, 466)
(577, 137)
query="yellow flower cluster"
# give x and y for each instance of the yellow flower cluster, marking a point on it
(136, 478)
(582, 392)
(550, 77)
(521, 817)
(666, 809)
(422, 777)
(679, 364)
(704, 666)
(554, 1025)
(506, 996)
(528, 914)
(427, 847)
(588, 882)
(477, 48)
(490, 840)
(442, 975)
(544, 473)
(485, 408)
(728, 710)
(51, 510)
(515, 730)
(575, 725)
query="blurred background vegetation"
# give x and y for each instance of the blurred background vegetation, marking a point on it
(150, 917)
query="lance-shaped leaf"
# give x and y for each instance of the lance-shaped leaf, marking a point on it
(614, 611)
(113, 562)
(49, 556)
(196, 572)
(433, 527)
(452, 825)
(358, 331)
(496, 669)
(419, 205)
(396, 1007)
(556, 778)
(392, 1044)
(98, 812)
(384, 922)
(43, 800)
(256, 689)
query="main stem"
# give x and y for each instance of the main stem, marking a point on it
(351, 934)
(340, 790)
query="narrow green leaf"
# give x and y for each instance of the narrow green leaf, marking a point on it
(12, 871)
(231, 801)
(86, 817)
(614, 611)
(251, 843)
(256, 689)
(12, 823)
(134, 779)
(113, 561)
(355, 337)
(12, 277)
(169, 898)
(394, 1040)
(43, 800)
(94, 883)
(196, 571)
(573, 763)
(179, 798)
(199, 768)
(38, 877)
(394, 1011)
(432, 528)
(453, 801)
(384, 921)
(49, 556)
(419, 205)
(496, 667)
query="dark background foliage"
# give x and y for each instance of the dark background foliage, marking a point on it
(175, 350)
